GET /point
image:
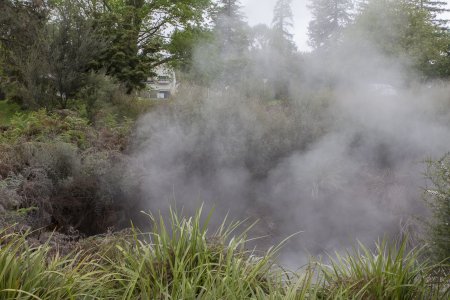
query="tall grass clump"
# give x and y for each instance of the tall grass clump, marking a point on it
(28, 272)
(180, 260)
(388, 272)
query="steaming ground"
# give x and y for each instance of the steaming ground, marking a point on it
(343, 166)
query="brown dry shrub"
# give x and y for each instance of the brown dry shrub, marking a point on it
(8, 160)
(108, 140)
(70, 171)
(78, 206)
(59, 160)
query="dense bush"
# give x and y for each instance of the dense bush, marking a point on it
(67, 126)
(103, 97)
(229, 128)
(71, 171)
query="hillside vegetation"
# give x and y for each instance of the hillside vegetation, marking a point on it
(65, 206)
(268, 173)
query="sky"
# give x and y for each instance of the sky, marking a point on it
(261, 11)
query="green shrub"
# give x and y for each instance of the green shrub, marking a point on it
(438, 198)
(103, 97)
(39, 126)
(111, 132)
(7, 111)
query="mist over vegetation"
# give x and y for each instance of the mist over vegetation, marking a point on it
(331, 143)
(347, 143)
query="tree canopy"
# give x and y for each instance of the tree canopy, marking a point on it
(401, 29)
(329, 18)
(282, 25)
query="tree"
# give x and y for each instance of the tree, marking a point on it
(230, 28)
(282, 51)
(329, 18)
(231, 41)
(436, 9)
(22, 27)
(71, 47)
(183, 46)
(282, 24)
(401, 30)
(46, 59)
(261, 37)
(138, 33)
(229, 8)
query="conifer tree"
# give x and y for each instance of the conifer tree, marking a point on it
(436, 9)
(230, 26)
(282, 24)
(231, 41)
(330, 17)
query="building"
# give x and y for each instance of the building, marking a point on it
(162, 85)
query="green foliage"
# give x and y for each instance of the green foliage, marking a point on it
(103, 97)
(22, 28)
(40, 126)
(329, 20)
(138, 32)
(29, 273)
(402, 31)
(438, 198)
(50, 49)
(67, 126)
(48, 69)
(182, 259)
(437, 9)
(183, 46)
(282, 24)
(227, 53)
(7, 111)
(61, 164)
(71, 44)
(389, 272)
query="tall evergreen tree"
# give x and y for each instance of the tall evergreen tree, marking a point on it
(436, 9)
(282, 51)
(330, 17)
(282, 24)
(231, 41)
(230, 27)
(229, 8)
(402, 31)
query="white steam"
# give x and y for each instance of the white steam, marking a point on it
(338, 163)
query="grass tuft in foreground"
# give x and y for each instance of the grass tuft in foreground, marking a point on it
(389, 272)
(181, 259)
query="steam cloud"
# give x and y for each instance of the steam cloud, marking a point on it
(338, 164)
